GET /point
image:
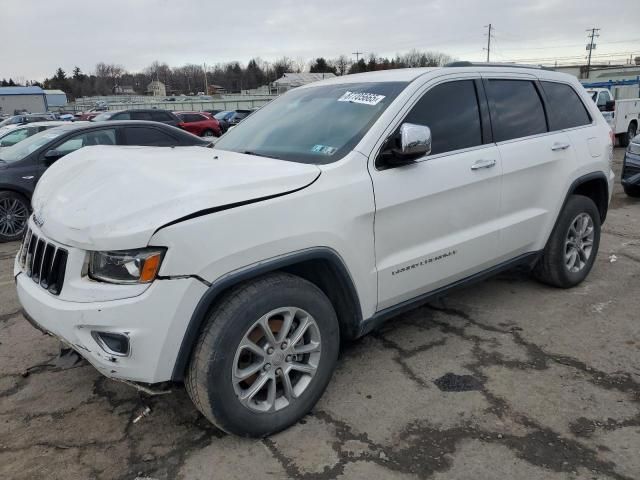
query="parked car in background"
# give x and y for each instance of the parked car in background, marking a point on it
(213, 112)
(22, 164)
(230, 118)
(10, 137)
(152, 115)
(335, 207)
(631, 168)
(16, 120)
(201, 124)
(623, 115)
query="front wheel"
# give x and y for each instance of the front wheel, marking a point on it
(265, 356)
(632, 190)
(14, 213)
(573, 245)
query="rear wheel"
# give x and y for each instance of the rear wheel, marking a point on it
(14, 213)
(573, 245)
(625, 138)
(265, 356)
(208, 134)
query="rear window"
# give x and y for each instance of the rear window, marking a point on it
(516, 109)
(565, 109)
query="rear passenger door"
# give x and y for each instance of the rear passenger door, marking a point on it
(535, 162)
(435, 220)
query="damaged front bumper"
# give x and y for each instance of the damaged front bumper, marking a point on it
(154, 323)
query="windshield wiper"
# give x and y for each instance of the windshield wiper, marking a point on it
(249, 152)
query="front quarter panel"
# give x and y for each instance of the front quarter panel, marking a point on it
(336, 211)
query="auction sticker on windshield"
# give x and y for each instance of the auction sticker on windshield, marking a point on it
(324, 149)
(361, 97)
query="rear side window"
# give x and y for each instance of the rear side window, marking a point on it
(192, 117)
(451, 111)
(140, 116)
(516, 109)
(161, 117)
(149, 136)
(565, 109)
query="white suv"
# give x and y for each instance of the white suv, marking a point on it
(238, 270)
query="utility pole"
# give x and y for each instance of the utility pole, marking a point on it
(488, 49)
(206, 84)
(357, 54)
(591, 46)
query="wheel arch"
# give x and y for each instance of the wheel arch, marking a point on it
(594, 186)
(321, 266)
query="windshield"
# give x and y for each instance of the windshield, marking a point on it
(102, 117)
(10, 121)
(316, 125)
(29, 145)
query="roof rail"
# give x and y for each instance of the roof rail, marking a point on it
(463, 63)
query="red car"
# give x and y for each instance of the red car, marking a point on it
(199, 123)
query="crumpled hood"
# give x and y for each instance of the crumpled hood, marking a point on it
(113, 198)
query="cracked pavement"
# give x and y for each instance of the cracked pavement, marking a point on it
(505, 379)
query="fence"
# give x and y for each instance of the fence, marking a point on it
(136, 103)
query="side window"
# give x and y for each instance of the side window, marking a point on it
(160, 116)
(140, 116)
(516, 109)
(97, 137)
(121, 116)
(14, 137)
(149, 136)
(451, 111)
(192, 117)
(565, 109)
(603, 98)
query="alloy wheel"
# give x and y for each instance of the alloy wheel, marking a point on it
(13, 216)
(579, 242)
(276, 359)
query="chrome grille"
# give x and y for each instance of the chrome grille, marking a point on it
(43, 262)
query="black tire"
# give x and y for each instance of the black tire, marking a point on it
(12, 205)
(551, 267)
(625, 138)
(208, 133)
(632, 190)
(209, 377)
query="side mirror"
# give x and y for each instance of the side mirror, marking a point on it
(610, 106)
(52, 155)
(407, 145)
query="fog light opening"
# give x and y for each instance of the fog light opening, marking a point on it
(116, 344)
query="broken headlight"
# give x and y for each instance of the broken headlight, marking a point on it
(126, 266)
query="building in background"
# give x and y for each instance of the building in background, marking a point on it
(156, 89)
(123, 90)
(22, 99)
(56, 99)
(293, 80)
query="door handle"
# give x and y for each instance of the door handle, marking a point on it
(28, 177)
(559, 146)
(483, 164)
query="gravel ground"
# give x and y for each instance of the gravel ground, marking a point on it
(506, 379)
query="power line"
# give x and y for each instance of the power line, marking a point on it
(357, 54)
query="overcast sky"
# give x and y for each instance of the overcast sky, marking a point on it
(39, 36)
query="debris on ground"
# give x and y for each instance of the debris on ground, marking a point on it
(613, 258)
(146, 411)
(451, 382)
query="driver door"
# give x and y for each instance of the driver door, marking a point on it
(436, 219)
